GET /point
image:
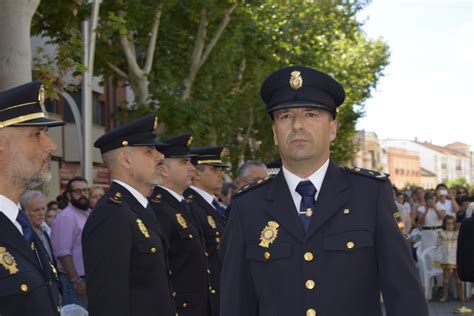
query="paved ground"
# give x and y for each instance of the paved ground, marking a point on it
(447, 308)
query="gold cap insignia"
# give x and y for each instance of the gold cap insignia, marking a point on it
(269, 234)
(155, 123)
(142, 228)
(125, 143)
(41, 99)
(7, 261)
(181, 220)
(296, 81)
(190, 141)
(211, 222)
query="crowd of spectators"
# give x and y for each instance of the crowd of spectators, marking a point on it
(432, 218)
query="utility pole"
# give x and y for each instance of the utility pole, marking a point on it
(88, 28)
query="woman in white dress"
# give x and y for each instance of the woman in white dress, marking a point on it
(430, 218)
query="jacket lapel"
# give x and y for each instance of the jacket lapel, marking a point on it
(281, 207)
(333, 195)
(143, 214)
(10, 235)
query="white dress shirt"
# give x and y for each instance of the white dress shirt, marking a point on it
(177, 196)
(10, 209)
(206, 196)
(140, 198)
(316, 179)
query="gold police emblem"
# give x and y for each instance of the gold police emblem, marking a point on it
(400, 224)
(190, 141)
(41, 99)
(211, 222)
(142, 228)
(155, 123)
(296, 81)
(269, 234)
(7, 261)
(181, 220)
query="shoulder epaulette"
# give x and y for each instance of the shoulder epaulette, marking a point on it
(252, 185)
(155, 198)
(116, 198)
(368, 173)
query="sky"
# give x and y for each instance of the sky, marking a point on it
(427, 90)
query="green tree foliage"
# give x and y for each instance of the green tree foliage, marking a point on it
(224, 106)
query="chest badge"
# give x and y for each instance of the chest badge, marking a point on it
(7, 261)
(269, 234)
(181, 221)
(142, 228)
(211, 222)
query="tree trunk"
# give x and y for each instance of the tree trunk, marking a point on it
(15, 50)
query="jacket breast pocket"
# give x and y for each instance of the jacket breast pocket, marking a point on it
(273, 253)
(20, 283)
(151, 246)
(349, 241)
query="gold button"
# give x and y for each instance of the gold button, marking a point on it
(24, 287)
(153, 249)
(169, 272)
(350, 245)
(59, 309)
(210, 288)
(310, 284)
(346, 211)
(124, 143)
(213, 291)
(308, 256)
(266, 255)
(311, 312)
(208, 271)
(190, 236)
(206, 254)
(185, 305)
(173, 295)
(217, 233)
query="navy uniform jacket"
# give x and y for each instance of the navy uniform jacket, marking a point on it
(353, 251)
(27, 287)
(212, 225)
(188, 262)
(465, 253)
(125, 258)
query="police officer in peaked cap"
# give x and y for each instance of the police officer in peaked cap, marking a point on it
(207, 182)
(188, 261)
(28, 278)
(316, 239)
(125, 248)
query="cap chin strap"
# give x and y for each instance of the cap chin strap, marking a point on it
(22, 118)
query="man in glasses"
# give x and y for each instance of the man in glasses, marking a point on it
(66, 241)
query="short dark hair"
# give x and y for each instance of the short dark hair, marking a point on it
(71, 181)
(51, 203)
(441, 185)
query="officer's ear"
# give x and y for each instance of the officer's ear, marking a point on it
(333, 129)
(124, 158)
(275, 139)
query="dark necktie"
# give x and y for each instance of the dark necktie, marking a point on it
(150, 211)
(219, 208)
(185, 205)
(26, 227)
(307, 191)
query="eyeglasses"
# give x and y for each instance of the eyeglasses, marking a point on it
(79, 191)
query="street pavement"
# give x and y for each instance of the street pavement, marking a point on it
(447, 308)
